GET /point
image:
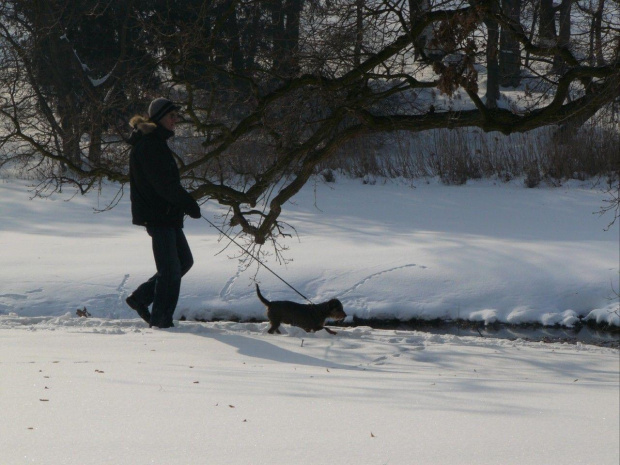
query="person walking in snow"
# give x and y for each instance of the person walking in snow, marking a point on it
(159, 202)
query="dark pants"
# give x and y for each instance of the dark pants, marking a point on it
(173, 259)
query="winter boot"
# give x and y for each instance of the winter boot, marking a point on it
(142, 309)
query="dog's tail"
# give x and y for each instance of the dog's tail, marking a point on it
(260, 296)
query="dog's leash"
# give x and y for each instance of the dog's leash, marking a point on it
(256, 258)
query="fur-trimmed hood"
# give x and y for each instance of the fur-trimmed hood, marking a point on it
(143, 126)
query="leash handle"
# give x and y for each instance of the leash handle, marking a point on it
(256, 258)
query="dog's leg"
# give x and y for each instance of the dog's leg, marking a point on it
(275, 327)
(329, 330)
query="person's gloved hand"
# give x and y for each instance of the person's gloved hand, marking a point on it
(194, 211)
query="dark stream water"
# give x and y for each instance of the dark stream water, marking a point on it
(601, 336)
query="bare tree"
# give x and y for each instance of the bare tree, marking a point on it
(273, 88)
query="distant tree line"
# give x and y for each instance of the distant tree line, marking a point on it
(287, 83)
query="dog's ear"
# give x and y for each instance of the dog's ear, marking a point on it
(335, 304)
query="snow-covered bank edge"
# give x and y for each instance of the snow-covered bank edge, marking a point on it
(581, 333)
(584, 331)
(584, 338)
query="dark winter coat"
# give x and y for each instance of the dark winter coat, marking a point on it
(157, 196)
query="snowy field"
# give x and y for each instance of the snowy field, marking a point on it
(109, 390)
(100, 391)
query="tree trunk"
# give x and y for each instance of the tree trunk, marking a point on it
(510, 53)
(359, 32)
(276, 29)
(531, 34)
(70, 129)
(546, 29)
(285, 16)
(559, 67)
(292, 10)
(492, 95)
(597, 28)
(252, 36)
(96, 138)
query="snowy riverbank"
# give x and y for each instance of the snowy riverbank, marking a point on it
(483, 252)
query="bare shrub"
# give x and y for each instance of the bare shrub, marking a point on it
(458, 155)
(589, 152)
(532, 176)
(358, 158)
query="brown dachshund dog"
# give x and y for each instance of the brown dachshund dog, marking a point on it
(307, 317)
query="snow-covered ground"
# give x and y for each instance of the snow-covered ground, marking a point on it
(101, 391)
(109, 390)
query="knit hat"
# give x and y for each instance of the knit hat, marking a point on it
(160, 107)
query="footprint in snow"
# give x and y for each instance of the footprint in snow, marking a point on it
(14, 296)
